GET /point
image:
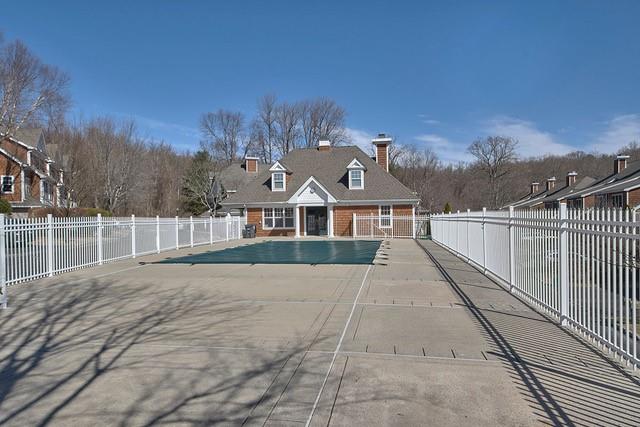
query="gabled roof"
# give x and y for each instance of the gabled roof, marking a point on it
(30, 138)
(355, 164)
(279, 167)
(235, 175)
(566, 192)
(329, 168)
(630, 172)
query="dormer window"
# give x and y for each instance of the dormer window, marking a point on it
(355, 180)
(356, 175)
(278, 181)
(278, 177)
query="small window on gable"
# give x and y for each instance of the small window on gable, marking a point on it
(356, 175)
(278, 182)
(7, 184)
(355, 179)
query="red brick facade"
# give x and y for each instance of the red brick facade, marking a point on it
(342, 219)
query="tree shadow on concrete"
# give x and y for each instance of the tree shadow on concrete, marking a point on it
(124, 354)
(565, 380)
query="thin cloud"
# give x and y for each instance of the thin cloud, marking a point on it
(361, 138)
(447, 151)
(532, 142)
(620, 131)
(428, 120)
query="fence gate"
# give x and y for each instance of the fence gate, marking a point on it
(390, 227)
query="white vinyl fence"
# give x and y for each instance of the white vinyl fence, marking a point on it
(31, 248)
(390, 227)
(577, 265)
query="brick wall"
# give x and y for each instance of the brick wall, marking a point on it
(251, 165)
(9, 167)
(634, 198)
(342, 219)
(589, 202)
(343, 216)
(254, 216)
(14, 149)
(381, 155)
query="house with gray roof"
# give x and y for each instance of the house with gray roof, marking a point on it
(29, 178)
(618, 190)
(316, 191)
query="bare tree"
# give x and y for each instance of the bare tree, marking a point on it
(116, 162)
(30, 91)
(495, 156)
(287, 127)
(223, 134)
(263, 129)
(322, 118)
(417, 170)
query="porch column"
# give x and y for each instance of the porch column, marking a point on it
(297, 221)
(330, 222)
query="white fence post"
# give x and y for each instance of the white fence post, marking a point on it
(512, 254)
(210, 229)
(191, 231)
(177, 232)
(468, 254)
(239, 229)
(484, 240)
(564, 266)
(99, 233)
(370, 225)
(226, 225)
(354, 225)
(50, 244)
(133, 236)
(158, 234)
(413, 222)
(3, 263)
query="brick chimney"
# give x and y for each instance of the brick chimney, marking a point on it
(324, 145)
(551, 183)
(251, 164)
(535, 187)
(571, 178)
(382, 143)
(621, 163)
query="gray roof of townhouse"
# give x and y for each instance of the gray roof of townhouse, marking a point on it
(619, 186)
(567, 191)
(329, 168)
(235, 176)
(556, 194)
(30, 136)
(602, 186)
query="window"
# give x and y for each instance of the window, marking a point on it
(278, 218)
(7, 184)
(47, 193)
(617, 200)
(355, 179)
(277, 181)
(385, 216)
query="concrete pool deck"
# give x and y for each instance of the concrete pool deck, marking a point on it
(429, 341)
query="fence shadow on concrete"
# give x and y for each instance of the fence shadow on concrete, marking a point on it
(565, 381)
(130, 353)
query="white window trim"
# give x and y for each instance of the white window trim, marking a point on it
(284, 181)
(390, 216)
(351, 186)
(284, 219)
(13, 184)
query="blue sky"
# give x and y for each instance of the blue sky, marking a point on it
(557, 75)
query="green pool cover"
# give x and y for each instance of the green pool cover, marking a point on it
(288, 252)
